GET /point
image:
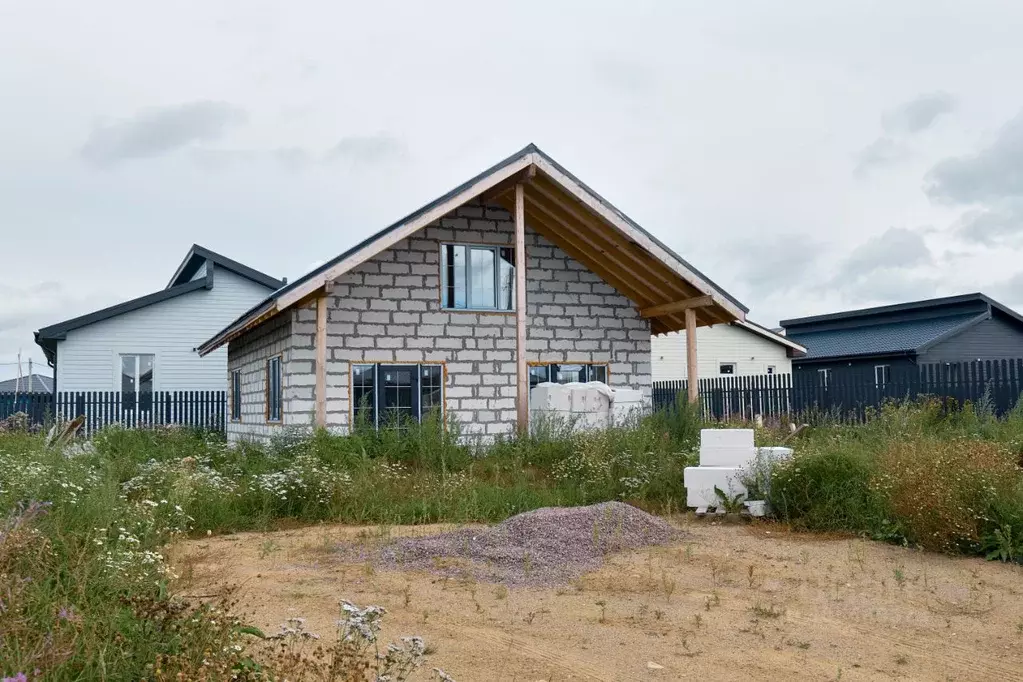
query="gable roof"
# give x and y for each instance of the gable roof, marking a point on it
(884, 339)
(930, 304)
(47, 337)
(33, 383)
(563, 210)
(197, 256)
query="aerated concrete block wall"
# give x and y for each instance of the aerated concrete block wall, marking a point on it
(249, 354)
(388, 311)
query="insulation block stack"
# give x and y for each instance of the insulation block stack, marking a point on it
(724, 454)
(588, 406)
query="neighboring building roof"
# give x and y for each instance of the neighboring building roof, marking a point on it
(33, 383)
(548, 179)
(198, 255)
(47, 337)
(771, 335)
(881, 339)
(903, 328)
(928, 304)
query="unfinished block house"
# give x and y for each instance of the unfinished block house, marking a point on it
(521, 275)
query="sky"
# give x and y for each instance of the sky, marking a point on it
(809, 157)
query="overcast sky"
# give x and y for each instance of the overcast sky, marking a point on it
(808, 156)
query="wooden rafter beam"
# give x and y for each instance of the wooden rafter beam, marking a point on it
(677, 306)
(578, 253)
(629, 256)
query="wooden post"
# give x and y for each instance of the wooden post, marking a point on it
(691, 372)
(522, 392)
(321, 362)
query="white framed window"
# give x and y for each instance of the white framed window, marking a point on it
(476, 277)
(882, 375)
(385, 394)
(824, 377)
(770, 369)
(726, 368)
(274, 392)
(138, 377)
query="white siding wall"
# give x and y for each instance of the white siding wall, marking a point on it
(751, 353)
(88, 360)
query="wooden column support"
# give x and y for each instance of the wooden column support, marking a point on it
(522, 391)
(691, 370)
(321, 362)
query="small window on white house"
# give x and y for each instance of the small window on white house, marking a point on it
(770, 369)
(726, 368)
(138, 374)
(882, 375)
(477, 277)
(824, 375)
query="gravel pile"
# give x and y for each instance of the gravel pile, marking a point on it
(545, 547)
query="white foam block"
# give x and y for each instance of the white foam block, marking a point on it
(775, 454)
(700, 482)
(726, 438)
(726, 457)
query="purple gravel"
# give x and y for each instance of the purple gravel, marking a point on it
(542, 548)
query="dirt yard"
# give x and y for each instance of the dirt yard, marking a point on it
(727, 603)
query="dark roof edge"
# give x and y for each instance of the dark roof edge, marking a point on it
(853, 356)
(57, 331)
(632, 223)
(228, 264)
(899, 307)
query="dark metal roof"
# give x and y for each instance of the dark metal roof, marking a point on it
(882, 339)
(47, 337)
(266, 304)
(33, 383)
(199, 255)
(902, 308)
(179, 285)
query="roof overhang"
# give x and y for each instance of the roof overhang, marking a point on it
(197, 255)
(789, 344)
(567, 213)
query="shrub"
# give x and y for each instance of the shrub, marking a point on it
(942, 490)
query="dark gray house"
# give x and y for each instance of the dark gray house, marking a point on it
(888, 343)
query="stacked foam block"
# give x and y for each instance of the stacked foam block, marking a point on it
(724, 453)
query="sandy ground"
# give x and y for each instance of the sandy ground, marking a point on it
(728, 603)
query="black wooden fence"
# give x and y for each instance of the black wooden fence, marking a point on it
(197, 409)
(848, 398)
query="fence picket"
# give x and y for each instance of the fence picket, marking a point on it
(774, 396)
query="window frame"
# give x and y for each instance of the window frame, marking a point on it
(548, 365)
(236, 396)
(824, 377)
(772, 369)
(495, 249)
(722, 365)
(270, 418)
(886, 376)
(417, 398)
(137, 377)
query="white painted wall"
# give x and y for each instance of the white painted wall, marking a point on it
(89, 359)
(751, 353)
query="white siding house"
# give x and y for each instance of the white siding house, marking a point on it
(148, 344)
(740, 348)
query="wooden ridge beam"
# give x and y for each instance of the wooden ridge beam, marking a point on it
(677, 306)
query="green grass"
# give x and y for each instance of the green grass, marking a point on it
(85, 591)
